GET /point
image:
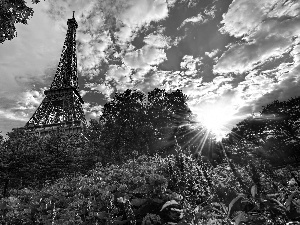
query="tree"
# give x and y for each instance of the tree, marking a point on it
(121, 119)
(283, 119)
(12, 12)
(134, 122)
(29, 160)
(275, 133)
(169, 115)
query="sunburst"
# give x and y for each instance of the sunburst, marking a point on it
(215, 118)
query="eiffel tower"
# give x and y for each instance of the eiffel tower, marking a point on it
(62, 105)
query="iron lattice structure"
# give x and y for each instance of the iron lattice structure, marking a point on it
(62, 105)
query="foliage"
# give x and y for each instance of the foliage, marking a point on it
(107, 194)
(125, 125)
(133, 122)
(156, 190)
(29, 160)
(273, 135)
(12, 12)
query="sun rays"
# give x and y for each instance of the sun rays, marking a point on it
(208, 126)
(205, 127)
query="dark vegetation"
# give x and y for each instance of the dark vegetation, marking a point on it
(140, 163)
(12, 12)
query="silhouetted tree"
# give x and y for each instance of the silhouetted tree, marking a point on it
(144, 124)
(28, 159)
(12, 12)
(170, 116)
(274, 134)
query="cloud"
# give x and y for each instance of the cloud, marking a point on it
(105, 26)
(21, 106)
(128, 16)
(144, 11)
(189, 64)
(171, 3)
(11, 115)
(144, 57)
(254, 87)
(92, 111)
(193, 20)
(83, 92)
(60, 11)
(92, 53)
(248, 56)
(32, 98)
(154, 80)
(121, 76)
(210, 11)
(157, 41)
(201, 18)
(212, 54)
(36, 48)
(267, 28)
(106, 23)
(105, 88)
(245, 18)
(143, 60)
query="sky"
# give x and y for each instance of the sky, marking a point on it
(229, 57)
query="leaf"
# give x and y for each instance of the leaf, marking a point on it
(275, 200)
(234, 201)
(168, 203)
(221, 206)
(241, 217)
(254, 191)
(289, 200)
(176, 196)
(297, 203)
(217, 210)
(224, 207)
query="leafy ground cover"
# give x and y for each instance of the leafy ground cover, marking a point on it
(177, 189)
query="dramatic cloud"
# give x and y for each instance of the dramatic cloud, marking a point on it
(25, 58)
(212, 54)
(189, 64)
(157, 41)
(91, 112)
(121, 75)
(268, 29)
(140, 12)
(195, 19)
(104, 88)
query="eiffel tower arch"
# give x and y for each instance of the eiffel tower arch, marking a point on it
(62, 105)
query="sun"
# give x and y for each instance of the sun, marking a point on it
(215, 118)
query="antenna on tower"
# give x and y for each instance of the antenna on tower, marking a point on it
(73, 13)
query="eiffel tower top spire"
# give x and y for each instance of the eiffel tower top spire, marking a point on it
(66, 73)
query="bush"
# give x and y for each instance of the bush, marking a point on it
(159, 190)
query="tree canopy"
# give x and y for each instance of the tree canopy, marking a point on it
(274, 133)
(12, 12)
(134, 121)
